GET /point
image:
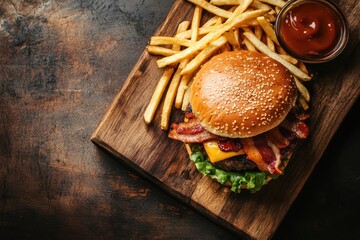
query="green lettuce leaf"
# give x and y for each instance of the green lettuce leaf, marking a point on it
(253, 180)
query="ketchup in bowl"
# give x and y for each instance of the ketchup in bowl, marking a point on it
(312, 30)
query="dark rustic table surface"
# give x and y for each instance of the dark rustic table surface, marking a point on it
(61, 64)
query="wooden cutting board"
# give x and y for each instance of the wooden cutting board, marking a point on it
(147, 149)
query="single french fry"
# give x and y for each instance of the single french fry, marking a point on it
(258, 31)
(212, 8)
(157, 95)
(265, 50)
(156, 50)
(302, 67)
(268, 29)
(203, 42)
(289, 58)
(185, 79)
(196, 23)
(259, 5)
(160, 40)
(270, 43)
(203, 55)
(302, 89)
(225, 2)
(249, 46)
(278, 3)
(237, 37)
(303, 103)
(183, 82)
(186, 99)
(169, 100)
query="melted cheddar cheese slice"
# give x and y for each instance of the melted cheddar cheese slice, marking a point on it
(216, 155)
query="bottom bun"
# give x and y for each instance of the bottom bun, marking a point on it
(236, 181)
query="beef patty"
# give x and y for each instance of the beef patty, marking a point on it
(237, 163)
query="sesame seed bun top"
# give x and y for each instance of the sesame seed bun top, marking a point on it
(242, 94)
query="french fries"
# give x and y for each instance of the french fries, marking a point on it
(171, 92)
(163, 82)
(185, 78)
(210, 37)
(229, 25)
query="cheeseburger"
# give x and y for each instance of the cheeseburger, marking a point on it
(243, 120)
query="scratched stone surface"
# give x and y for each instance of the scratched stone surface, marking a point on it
(61, 64)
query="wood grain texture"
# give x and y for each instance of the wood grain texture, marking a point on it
(147, 149)
(62, 62)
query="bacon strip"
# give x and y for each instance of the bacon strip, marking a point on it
(190, 132)
(274, 166)
(263, 153)
(253, 154)
(299, 128)
(275, 136)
